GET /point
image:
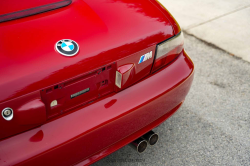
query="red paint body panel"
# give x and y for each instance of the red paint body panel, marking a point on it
(139, 70)
(174, 23)
(128, 139)
(106, 31)
(18, 124)
(69, 139)
(111, 35)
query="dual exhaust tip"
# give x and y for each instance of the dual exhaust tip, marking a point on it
(141, 143)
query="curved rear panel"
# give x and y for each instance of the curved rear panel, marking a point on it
(106, 31)
(113, 32)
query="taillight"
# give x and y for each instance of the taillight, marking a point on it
(167, 51)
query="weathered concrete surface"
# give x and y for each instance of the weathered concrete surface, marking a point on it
(231, 33)
(224, 23)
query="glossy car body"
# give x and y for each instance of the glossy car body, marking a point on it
(111, 34)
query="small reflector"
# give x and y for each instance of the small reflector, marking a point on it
(118, 79)
(53, 103)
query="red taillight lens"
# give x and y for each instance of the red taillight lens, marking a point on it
(34, 10)
(167, 51)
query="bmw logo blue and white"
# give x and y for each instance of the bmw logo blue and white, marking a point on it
(67, 47)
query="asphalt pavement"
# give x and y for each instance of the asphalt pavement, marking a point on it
(213, 125)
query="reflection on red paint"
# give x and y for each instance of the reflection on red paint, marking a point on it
(37, 137)
(109, 104)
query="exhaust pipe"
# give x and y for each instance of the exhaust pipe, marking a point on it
(151, 137)
(140, 145)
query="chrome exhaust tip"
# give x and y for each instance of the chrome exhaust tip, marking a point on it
(151, 137)
(139, 144)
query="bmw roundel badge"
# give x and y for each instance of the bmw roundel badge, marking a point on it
(67, 47)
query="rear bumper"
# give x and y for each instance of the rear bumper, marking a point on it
(90, 133)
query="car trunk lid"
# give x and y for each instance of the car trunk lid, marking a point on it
(110, 35)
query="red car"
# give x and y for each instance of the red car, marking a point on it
(80, 79)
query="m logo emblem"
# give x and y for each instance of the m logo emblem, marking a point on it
(145, 57)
